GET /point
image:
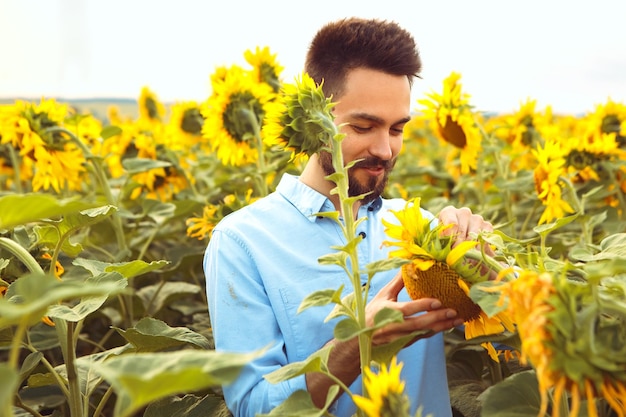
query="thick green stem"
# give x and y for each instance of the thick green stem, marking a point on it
(22, 254)
(66, 331)
(349, 229)
(16, 169)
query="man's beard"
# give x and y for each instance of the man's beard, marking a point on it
(375, 185)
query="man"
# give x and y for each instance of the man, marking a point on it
(262, 260)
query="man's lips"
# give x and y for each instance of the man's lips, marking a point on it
(374, 169)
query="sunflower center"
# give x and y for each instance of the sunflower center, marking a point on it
(39, 122)
(453, 133)
(440, 282)
(242, 117)
(152, 108)
(268, 75)
(528, 136)
(192, 121)
(612, 124)
(582, 159)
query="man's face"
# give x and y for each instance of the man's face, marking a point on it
(373, 111)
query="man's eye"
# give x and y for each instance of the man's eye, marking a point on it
(397, 131)
(360, 129)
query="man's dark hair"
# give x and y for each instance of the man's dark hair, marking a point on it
(350, 43)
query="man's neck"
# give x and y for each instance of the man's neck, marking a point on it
(314, 176)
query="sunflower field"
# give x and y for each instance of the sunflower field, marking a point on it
(104, 223)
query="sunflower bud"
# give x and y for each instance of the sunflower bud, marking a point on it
(303, 123)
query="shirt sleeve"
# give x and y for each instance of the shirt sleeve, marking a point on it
(243, 320)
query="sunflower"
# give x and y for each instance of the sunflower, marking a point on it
(150, 108)
(234, 115)
(183, 132)
(523, 130)
(385, 392)
(48, 159)
(547, 176)
(607, 118)
(302, 120)
(454, 121)
(573, 338)
(265, 68)
(441, 271)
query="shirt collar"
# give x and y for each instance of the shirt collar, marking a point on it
(308, 201)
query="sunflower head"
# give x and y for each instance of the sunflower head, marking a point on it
(265, 67)
(303, 123)
(150, 108)
(234, 113)
(572, 335)
(438, 267)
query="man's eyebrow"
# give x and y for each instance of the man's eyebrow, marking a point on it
(376, 119)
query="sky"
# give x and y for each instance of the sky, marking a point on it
(570, 55)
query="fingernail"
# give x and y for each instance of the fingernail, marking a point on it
(458, 322)
(435, 304)
(450, 314)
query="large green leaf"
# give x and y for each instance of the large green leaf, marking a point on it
(18, 209)
(30, 296)
(127, 269)
(188, 406)
(88, 305)
(137, 165)
(141, 378)
(157, 296)
(314, 363)
(300, 404)
(516, 396)
(152, 335)
(61, 230)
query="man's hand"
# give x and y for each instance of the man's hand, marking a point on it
(464, 224)
(433, 318)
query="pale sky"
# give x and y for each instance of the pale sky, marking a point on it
(570, 55)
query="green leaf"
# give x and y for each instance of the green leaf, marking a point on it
(385, 265)
(19, 209)
(88, 305)
(110, 131)
(335, 258)
(152, 335)
(487, 300)
(544, 229)
(187, 406)
(516, 396)
(384, 353)
(141, 378)
(387, 316)
(127, 269)
(60, 231)
(156, 296)
(29, 364)
(321, 298)
(48, 236)
(316, 362)
(347, 328)
(138, 165)
(30, 296)
(300, 404)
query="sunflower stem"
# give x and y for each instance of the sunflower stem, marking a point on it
(349, 230)
(22, 254)
(16, 169)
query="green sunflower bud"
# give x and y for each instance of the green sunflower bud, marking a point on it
(303, 123)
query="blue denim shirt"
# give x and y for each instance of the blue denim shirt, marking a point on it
(262, 261)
